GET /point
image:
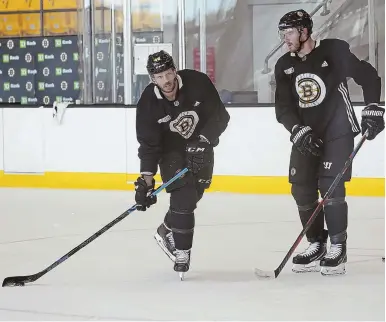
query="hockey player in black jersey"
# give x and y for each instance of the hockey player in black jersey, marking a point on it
(313, 103)
(179, 120)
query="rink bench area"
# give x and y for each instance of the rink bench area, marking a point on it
(95, 147)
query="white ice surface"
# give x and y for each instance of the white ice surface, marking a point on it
(123, 275)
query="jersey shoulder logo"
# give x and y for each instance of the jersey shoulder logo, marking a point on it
(311, 90)
(289, 71)
(185, 124)
(165, 119)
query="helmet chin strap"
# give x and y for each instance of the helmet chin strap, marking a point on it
(301, 43)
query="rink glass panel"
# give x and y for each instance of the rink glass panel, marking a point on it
(234, 42)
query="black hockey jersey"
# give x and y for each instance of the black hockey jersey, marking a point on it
(313, 90)
(163, 126)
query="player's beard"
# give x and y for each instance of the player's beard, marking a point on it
(295, 47)
(169, 86)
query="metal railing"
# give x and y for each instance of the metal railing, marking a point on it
(330, 21)
(325, 12)
(328, 24)
(372, 57)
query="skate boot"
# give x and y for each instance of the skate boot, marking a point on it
(182, 262)
(309, 260)
(165, 240)
(334, 263)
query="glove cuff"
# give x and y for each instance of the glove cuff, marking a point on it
(302, 131)
(373, 110)
(203, 139)
(147, 173)
(149, 179)
(294, 127)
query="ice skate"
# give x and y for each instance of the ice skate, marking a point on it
(165, 240)
(309, 260)
(334, 263)
(182, 262)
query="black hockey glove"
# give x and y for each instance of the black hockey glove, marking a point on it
(198, 155)
(142, 194)
(372, 120)
(306, 141)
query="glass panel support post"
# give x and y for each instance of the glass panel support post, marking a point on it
(113, 44)
(202, 35)
(181, 34)
(372, 33)
(127, 52)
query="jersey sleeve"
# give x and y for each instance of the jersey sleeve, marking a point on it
(285, 106)
(216, 116)
(149, 137)
(362, 72)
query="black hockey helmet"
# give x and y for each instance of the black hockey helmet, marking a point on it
(298, 19)
(159, 62)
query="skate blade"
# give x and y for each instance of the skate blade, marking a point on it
(333, 271)
(182, 275)
(313, 267)
(161, 244)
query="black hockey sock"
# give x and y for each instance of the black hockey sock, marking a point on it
(306, 197)
(336, 210)
(315, 232)
(336, 216)
(167, 220)
(182, 225)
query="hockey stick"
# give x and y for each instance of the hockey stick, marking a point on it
(21, 280)
(276, 272)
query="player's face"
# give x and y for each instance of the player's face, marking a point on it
(291, 38)
(166, 80)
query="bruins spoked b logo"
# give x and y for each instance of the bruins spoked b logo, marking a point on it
(311, 90)
(185, 124)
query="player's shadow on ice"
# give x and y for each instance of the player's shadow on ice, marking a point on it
(286, 276)
(236, 276)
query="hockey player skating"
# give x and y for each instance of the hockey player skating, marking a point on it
(179, 120)
(313, 103)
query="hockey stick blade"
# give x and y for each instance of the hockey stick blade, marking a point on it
(265, 274)
(22, 280)
(19, 280)
(262, 274)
